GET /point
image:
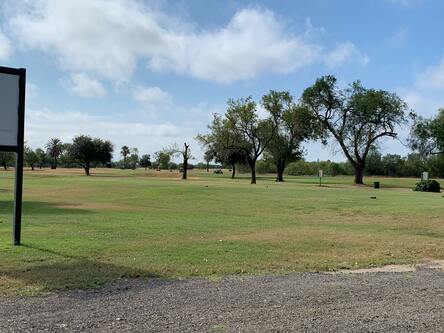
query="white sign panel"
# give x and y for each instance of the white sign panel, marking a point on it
(9, 102)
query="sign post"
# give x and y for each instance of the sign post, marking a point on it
(12, 128)
(321, 175)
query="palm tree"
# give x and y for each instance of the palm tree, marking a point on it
(125, 151)
(54, 148)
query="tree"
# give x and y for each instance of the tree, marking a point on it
(186, 156)
(216, 145)
(393, 165)
(163, 158)
(42, 157)
(427, 135)
(145, 161)
(209, 155)
(373, 165)
(356, 117)
(6, 159)
(241, 129)
(133, 158)
(31, 157)
(295, 124)
(54, 148)
(125, 151)
(87, 150)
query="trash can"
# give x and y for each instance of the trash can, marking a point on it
(375, 184)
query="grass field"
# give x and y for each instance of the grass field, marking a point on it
(83, 231)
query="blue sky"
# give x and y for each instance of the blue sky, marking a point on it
(150, 74)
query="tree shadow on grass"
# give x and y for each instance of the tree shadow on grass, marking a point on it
(41, 207)
(66, 271)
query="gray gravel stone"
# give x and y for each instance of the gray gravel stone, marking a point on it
(304, 302)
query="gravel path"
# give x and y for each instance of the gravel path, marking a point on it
(305, 302)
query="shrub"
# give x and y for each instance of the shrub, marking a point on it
(428, 186)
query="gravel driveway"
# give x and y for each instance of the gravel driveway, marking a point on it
(304, 302)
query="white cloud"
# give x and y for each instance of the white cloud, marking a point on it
(109, 38)
(425, 96)
(44, 124)
(5, 47)
(433, 77)
(343, 53)
(253, 42)
(152, 97)
(82, 85)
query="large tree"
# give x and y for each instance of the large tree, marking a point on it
(54, 148)
(87, 150)
(427, 135)
(295, 124)
(241, 129)
(356, 117)
(215, 144)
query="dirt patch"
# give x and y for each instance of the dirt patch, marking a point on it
(383, 269)
(102, 206)
(432, 264)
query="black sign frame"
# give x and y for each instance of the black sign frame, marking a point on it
(19, 150)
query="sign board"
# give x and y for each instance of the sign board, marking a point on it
(12, 126)
(9, 100)
(425, 176)
(320, 175)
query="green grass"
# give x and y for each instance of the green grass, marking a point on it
(81, 232)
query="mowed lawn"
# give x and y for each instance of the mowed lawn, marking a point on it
(81, 232)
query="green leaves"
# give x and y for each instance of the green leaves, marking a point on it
(427, 135)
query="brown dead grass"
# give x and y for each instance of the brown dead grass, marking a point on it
(102, 206)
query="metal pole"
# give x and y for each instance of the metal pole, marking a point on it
(17, 225)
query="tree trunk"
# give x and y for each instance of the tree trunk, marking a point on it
(185, 160)
(208, 166)
(32, 167)
(87, 167)
(5, 167)
(54, 163)
(233, 173)
(280, 167)
(185, 169)
(359, 174)
(252, 164)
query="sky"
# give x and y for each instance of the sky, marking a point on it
(149, 74)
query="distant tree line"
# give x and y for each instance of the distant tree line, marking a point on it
(390, 165)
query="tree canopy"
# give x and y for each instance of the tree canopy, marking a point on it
(295, 124)
(54, 148)
(356, 117)
(427, 135)
(87, 150)
(242, 130)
